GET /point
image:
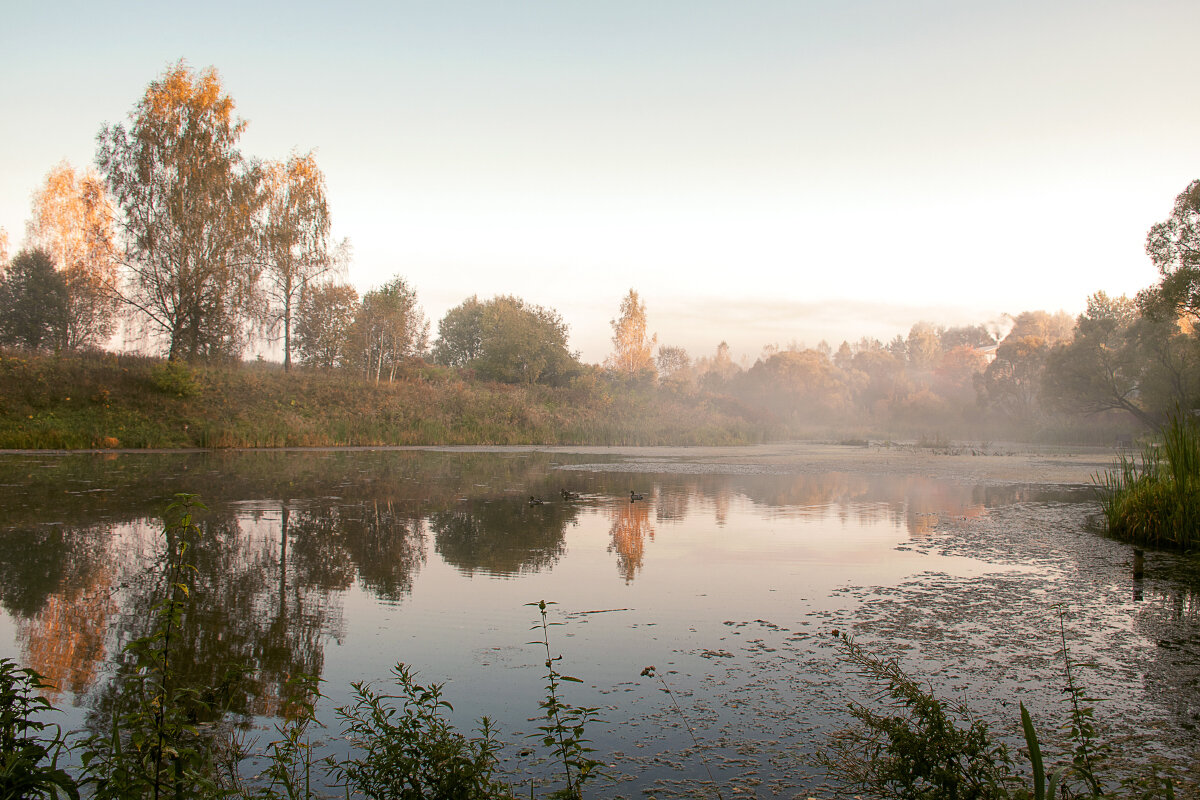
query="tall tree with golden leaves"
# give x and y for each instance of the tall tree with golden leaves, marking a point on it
(632, 355)
(3, 250)
(72, 220)
(293, 239)
(188, 201)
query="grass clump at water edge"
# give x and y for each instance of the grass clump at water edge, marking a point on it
(1154, 498)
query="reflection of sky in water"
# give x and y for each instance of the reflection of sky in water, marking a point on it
(719, 579)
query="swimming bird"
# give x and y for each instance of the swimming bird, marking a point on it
(634, 496)
(534, 501)
(566, 495)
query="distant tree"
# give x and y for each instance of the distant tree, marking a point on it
(460, 334)
(923, 346)
(3, 250)
(33, 300)
(389, 329)
(956, 373)
(881, 383)
(1012, 382)
(72, 220)
(966, 335)
(505, 339)
(1168, 347)
(1051, 328)
(188, 201)
(633, 349)
(844, 357)
(1120, 360)
(802, 385)
(324, 320)
(523, 343)
(718, 370)
(293, 239)
(1174, 247)
(671, 361)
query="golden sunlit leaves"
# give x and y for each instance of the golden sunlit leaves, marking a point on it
(632, 355)
(188, 200)
(72, 220)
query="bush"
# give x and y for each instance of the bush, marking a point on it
(174, 378)
(412, 752)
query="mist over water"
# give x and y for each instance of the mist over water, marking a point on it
(728, 577)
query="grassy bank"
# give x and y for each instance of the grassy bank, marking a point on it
(102, 400)
(1154, 499)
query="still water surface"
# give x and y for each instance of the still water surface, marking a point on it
(728, 577)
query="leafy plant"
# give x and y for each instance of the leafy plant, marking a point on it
(28, 756)
(915, 750)
(565, 728)
(290, 757)
(411, 752)
(175, 378)
(921, 754)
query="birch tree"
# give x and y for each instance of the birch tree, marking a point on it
(293, 239)
(324, 322)
(390, 328)
(72, 220)
(632, 355)
(187, 200)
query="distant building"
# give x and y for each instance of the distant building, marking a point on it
(988, 353)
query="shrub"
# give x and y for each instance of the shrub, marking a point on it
(174, 378)
(412, 752)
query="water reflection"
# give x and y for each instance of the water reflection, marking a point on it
(294, 543)
(504, 537)
(629, 530)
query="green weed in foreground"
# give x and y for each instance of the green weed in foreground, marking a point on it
(1154, 499)
(564, 731)
(410, 751)
(922, 748)
(28, 751)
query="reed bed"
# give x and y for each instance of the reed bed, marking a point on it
(1153, 498)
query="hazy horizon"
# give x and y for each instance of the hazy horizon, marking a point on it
(791, 171)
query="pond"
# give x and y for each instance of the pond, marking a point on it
(728, 576)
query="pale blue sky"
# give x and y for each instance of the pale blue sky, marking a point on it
(759, 171)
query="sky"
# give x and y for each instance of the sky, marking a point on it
(760, 172)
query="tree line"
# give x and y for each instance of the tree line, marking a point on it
(202, 249)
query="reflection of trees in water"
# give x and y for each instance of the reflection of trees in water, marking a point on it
(64, 640)
(671, 504)
(56, 582)
(911, 500)
(503, 536)
(386, 544)
(630, 527)
(36, 562)
(1169, 618)
(129, 486)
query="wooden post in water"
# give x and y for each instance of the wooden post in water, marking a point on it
(1139, 571)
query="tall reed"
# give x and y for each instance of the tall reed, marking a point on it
(1154, 498)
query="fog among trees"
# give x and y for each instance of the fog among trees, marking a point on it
(199, 250)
